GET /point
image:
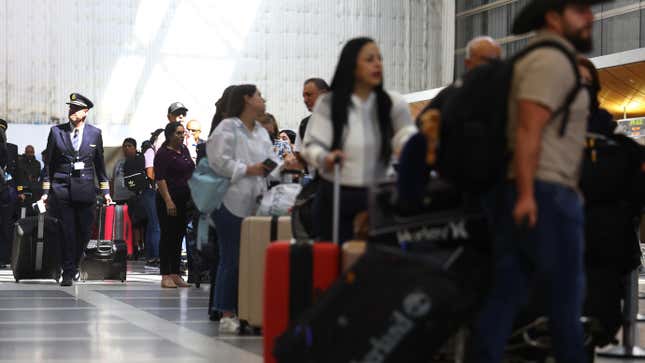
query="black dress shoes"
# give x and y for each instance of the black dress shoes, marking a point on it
(67, 281)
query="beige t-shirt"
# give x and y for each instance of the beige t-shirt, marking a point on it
(546, 76)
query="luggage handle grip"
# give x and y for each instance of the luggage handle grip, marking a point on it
(336, 204)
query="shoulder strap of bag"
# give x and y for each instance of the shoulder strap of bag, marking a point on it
(565, 109)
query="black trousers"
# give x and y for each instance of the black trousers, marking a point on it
(76, 221)
(7, 219)
(352, 201)
(173, 230)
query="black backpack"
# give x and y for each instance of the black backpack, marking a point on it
(611, 171)
(148, 144)
(473, 151)
(134, 173)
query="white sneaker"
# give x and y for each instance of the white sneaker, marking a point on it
(229, 325)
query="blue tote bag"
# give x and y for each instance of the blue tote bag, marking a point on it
(208, 188)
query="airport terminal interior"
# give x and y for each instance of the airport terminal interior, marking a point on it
(127, 60)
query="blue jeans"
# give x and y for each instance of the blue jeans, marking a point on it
(153, 230)
(548, 258)
(228, 227)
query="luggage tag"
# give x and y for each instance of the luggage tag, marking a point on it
(40, 206)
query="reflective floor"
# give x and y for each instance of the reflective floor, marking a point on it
(133, 322)
(113, 322)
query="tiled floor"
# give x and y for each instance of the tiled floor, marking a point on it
(113, 322)
(124, 323)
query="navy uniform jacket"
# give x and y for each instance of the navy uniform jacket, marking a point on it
(66, 182)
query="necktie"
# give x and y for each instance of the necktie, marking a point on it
(75, 139)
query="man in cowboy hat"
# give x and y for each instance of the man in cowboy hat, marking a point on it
(74, 158)
(538, 215)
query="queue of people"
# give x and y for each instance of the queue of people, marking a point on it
(535, 206)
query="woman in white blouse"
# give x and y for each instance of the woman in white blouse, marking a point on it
(237, 149)
(360, 123)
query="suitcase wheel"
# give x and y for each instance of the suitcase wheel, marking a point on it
(17, 281)
(197, 284)
(122, 277)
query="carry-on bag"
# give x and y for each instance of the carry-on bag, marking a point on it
(36, 248)
(296, 275)
(391, 306)
(105, 258)
(256, 235)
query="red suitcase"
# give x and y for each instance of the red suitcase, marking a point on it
(295, 275)
(122, 229)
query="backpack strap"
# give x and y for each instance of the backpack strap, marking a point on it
(565, 109)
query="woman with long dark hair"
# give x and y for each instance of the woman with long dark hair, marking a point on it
(360, 124)
(237, 149)
(221, 108)
(173, 167)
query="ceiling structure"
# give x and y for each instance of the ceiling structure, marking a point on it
(623, 90)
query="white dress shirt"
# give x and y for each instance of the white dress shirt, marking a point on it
(361, 138)
(230, 149)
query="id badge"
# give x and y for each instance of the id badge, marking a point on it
(79, 165)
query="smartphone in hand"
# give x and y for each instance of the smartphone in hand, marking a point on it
(270, 164)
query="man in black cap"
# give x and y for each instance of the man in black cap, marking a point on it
(538, 215)
(176, 113)
(74, 160)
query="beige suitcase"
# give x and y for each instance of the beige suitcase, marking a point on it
(256, 234)
(352, 251)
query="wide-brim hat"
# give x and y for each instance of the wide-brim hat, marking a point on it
(531, 17)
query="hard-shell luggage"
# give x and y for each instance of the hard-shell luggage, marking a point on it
(257, 234)
(105, 258)
(36, 248)
(296, 274)
(116, 225)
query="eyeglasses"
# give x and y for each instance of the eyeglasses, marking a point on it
(194, 130)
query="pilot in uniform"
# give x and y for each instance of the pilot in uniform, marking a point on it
(74, 159)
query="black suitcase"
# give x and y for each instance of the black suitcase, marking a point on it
(392, 306)
(36, 248)
(104, 259)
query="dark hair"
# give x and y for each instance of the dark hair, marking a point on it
(291, 134)
(236, 101)
(170, 130)
(342, 87)
(221, 110)
(319, 82)
(130, 140)
(595, 80)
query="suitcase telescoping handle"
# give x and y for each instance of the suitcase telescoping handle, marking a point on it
(336, 197)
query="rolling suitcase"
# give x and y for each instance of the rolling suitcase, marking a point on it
(117, 226)
(257, 234)
(427, 286)
(296, 274)
(105, 258)
(36, 248)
